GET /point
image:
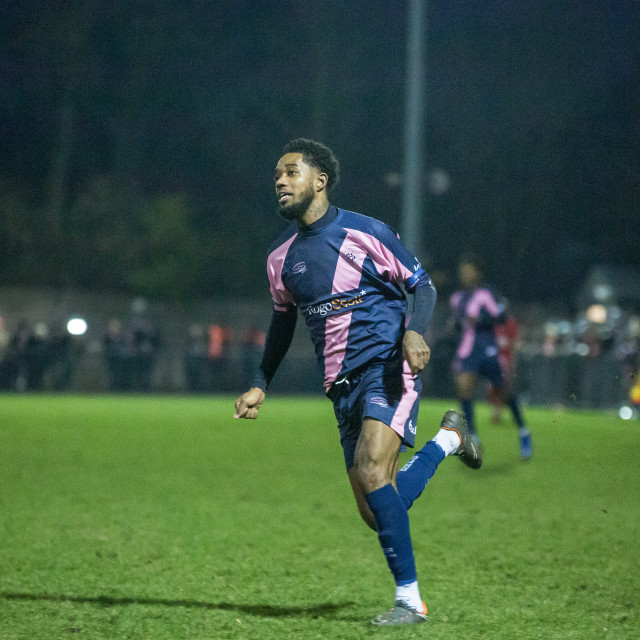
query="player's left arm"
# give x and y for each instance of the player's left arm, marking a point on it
(414, 349)
(395, 262)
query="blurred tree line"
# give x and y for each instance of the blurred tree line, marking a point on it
(139, 138)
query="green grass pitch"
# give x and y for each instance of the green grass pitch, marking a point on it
(163, 518)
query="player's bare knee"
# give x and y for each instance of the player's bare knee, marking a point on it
(365, 513)
(361, 501)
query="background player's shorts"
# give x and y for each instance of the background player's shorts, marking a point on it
(483, 360)
(384, 391)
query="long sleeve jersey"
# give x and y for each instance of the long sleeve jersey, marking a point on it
(347, 275)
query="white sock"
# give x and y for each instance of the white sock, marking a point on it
(409, 594)
(447, 440)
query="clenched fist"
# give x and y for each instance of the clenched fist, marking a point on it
(249, 403)
(415, 351)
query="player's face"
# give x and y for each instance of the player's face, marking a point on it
(468, 275)
(294, 186)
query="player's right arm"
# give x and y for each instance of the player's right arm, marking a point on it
(279, 336)
(249, 403)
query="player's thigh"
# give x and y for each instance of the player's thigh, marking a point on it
(465, 384)
(376, 455)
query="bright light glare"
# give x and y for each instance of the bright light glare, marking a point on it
(77, 326)
(626, 413)
(597, 313)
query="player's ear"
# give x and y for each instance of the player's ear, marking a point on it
(321, 181)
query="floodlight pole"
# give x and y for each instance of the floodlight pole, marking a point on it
(414, 127)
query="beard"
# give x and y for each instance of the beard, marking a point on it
(296, 210)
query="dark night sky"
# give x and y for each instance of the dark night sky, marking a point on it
(533, 110)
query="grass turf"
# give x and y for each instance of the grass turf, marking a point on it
(163, 518)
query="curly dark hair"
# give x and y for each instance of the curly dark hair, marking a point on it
(316, 155)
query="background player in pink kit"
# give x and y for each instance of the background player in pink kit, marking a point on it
(475, 313)
(347, 275)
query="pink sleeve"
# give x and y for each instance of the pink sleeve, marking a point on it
(482, 298)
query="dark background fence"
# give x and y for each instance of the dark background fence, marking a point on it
(179, 359)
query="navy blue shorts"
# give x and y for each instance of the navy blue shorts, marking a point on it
(484, 361)
(384, 391)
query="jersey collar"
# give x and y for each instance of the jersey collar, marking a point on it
(321, 223)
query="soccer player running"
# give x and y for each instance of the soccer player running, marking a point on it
(347, 275)
(475, 314)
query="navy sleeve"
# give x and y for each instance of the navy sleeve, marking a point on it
(279, 336)
(424, 302)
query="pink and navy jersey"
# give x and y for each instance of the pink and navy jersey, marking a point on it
(347, 274)
(476, 314)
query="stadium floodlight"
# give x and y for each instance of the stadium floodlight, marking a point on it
(77, 326)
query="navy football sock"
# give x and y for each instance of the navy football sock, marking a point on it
(467, 409)
(514, 405)
(392, 524)
(413, 477)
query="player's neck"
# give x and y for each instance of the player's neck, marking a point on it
(315, 211)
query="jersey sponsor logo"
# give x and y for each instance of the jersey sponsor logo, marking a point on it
(336, 304)
(317, 309)
(299, 267)
(379, 401)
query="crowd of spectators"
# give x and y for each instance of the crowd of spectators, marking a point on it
(598, 350)
(596, 332)
(42, 357)
(217, 358)
(130, 355)
(36, 357)
(209, 366)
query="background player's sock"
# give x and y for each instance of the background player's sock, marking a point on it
(514, 405)
(467, 409)
(392, 524)
(410, 594)
(413, 477)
